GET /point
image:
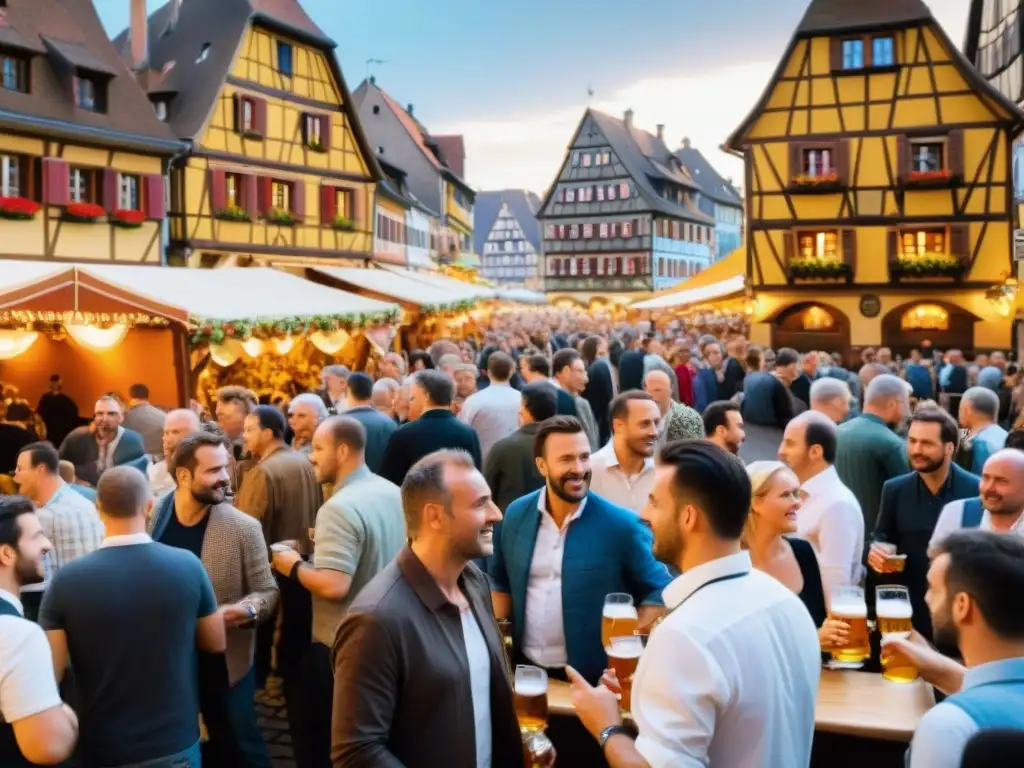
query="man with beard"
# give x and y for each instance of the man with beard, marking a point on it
(999, 506)
(974, 587)
(103, 444)
(723, 425)
(869, 451)
(359, 530)
(911, 503)
(132, 616)
(730, 677)
(558, 553)
(231, 546)
(623, 471)
(36, 728)
(420, 674)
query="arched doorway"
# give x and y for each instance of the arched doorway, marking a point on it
(926, 325)
(810, 326)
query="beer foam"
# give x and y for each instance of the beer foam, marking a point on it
(893, 609)
(619, 611)
(625, 650)
(851, 609)
(531, 687)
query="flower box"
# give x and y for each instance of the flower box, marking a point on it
(127, 219)
(234, 213)
(916, 266)
(84, 213)
(828, 182)
(278, 216)
(343, 223)
(316, 146)
(18, 208)
(818, 268)
(940, 178)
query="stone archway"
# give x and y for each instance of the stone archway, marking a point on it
(928, 324)
(812, 326)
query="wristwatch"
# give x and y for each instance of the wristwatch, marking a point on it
(610, 731)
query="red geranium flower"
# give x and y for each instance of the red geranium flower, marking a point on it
(130, 217)
(85, 211)
(19, 206)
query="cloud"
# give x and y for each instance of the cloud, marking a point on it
(527, 150)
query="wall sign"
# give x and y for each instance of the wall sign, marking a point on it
(870, 305)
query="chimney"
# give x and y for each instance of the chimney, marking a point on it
(661, 131)
(686, 142)
(627, 118)
(137, 35)
(409, 109)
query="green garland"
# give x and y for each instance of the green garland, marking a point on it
(218, 331)
(803, 267)
(455, 306)
(929, 265)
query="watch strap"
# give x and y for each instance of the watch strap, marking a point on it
(612, 730)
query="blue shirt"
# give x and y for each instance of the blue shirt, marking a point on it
(130, 612)
(920, 380)
(987, 441)
(946, 728)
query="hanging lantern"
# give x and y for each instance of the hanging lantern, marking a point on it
(225, 354)
(284, 346)
(252, 347)
(97, 339)
(14, 343)
(329, 342)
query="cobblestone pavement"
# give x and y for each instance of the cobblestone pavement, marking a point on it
(272, 713)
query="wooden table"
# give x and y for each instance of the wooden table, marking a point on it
(853, 703)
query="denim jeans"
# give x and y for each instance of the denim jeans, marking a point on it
(230, 717)
(188, 758)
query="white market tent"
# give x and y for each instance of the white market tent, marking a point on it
(402, 287)
(444, 282)
(521, 296)
(679, 299)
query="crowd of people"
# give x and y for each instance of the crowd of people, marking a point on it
(392, 545)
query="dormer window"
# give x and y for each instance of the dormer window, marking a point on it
(161, 110)
(13, 73)
(284, 58)
(853, 54)
(89, 93)
(883, 52)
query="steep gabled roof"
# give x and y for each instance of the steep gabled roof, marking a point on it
(708, 179)
(196, 82)
(453, 149)
(826, 17)
(62, 34)
(522, 204)
(973, 31)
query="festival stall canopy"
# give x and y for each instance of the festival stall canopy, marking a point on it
(521, 296)
(407, 288)
(721, 279)
(444, 282)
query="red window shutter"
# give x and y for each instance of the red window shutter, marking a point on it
(788, 245)
(620, 265)
(218, 201)
(259, 116)
(892, 242)
(56, 181)
(358, 202)
(111, 180)
(955, 153)
(238, 107)
(960, 241)
(298, 199)
(850, 249)
(327, 204)
(842, 161)
(325, 131)
(796, 159)
(264, 194)
(248, 193)
(835, 53)
(156, 207)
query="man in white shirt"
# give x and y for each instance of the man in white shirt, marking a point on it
(177, 424)
(35, 726)
(623, 471)
(1001, 497)
(730, 677)
(493, 412)
(831, 518)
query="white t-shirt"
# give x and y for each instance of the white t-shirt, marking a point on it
(480, 685)
(27, 685)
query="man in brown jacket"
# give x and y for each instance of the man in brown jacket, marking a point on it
(231, 547)
(281, 491)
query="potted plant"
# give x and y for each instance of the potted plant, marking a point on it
(316, 145)
(929, 266)
(941, 177)
(343, 223)
(814, 268)
(18, 208)
(127, 219)
(824, 182)
(84, 213)
(232, 213)
(280, 216)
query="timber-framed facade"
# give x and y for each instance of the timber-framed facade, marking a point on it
(279, 171)
(879, 188)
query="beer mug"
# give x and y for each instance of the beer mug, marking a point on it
(848, 604)
(623, 656)
(536, 745)
(894, 562)
(894, 612)
(619, 617)
(531, 689)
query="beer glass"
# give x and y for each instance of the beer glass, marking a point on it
(619, 617)
(531, 687)
(848, 604)
(894, 562)
(892, 607)
(623, 655)
(536, 746)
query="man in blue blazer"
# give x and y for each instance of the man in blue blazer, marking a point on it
(103, 444)
(558, 552)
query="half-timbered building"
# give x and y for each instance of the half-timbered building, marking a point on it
(621, 217)
(82, 156)
(279, 171)
(508, 238)
(879, 194)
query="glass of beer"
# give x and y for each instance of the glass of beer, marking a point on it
(623, 655)
(531, 687)
(619, 617)
(892, 607)
(894, 562)
(848, 604)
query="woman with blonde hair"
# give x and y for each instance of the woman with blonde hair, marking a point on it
(768, 536)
